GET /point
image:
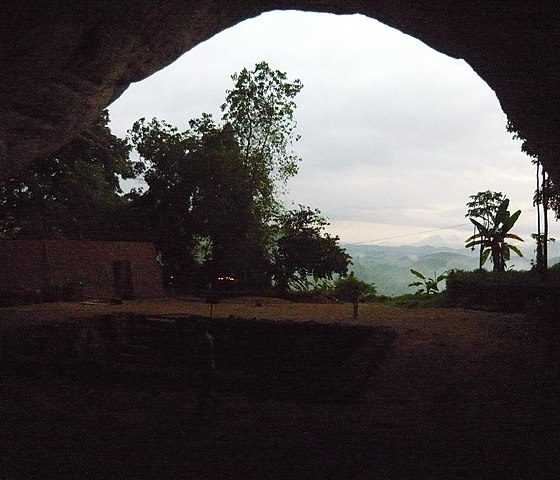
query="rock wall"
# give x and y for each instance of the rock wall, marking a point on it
(63, 62)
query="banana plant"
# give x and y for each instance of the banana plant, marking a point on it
(493, 238)
(310, 284)
(427, 285)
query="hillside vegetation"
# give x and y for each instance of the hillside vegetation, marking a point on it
(389, 267)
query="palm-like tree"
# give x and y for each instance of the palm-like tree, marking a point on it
(483, 207)
(493, 238)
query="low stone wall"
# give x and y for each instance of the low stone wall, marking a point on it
(259, 359)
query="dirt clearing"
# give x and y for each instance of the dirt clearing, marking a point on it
(455, 394)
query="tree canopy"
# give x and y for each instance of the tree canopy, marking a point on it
(212, 189)
(71, 193)
(303, 248)
(198, 193)
(260, 108)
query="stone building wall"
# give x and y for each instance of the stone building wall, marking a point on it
(79, 269)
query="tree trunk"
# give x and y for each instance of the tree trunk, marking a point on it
(538, 205)
(480, 251)
(545, 219)
(497, 258)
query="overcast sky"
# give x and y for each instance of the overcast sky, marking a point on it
(395, 136)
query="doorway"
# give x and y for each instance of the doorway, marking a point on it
(123, 279)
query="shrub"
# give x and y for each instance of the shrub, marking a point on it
(509, 291)
(413, 300)
(346, 288)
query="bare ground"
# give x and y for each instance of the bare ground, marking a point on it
(459, 394)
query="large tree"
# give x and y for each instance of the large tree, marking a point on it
(199, 194)
(164, 212)
(547, 196)
(224, 207)
(71, 193)
(216, 184)
(304, 249)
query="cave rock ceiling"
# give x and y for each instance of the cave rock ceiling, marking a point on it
(63, 62)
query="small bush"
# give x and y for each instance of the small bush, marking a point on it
(347, 288)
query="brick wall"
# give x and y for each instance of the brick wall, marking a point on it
(85, 268)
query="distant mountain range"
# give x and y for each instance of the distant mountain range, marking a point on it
(389, 267)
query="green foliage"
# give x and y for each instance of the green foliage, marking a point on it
(350, 287)
(71, 193)
(199, 187)
(492, 237)
(483, 207)
(553, 198)
(260, 108)
(305, 250)
(413, 300)
(321, 286)
(163, 213)
(427, 285)
(526, 146)
(224, 208)
(547, 190)
(309, 289)
(544, 198)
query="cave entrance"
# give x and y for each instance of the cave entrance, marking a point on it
(395, 135)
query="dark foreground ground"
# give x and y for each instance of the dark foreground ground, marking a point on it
(113, 397)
